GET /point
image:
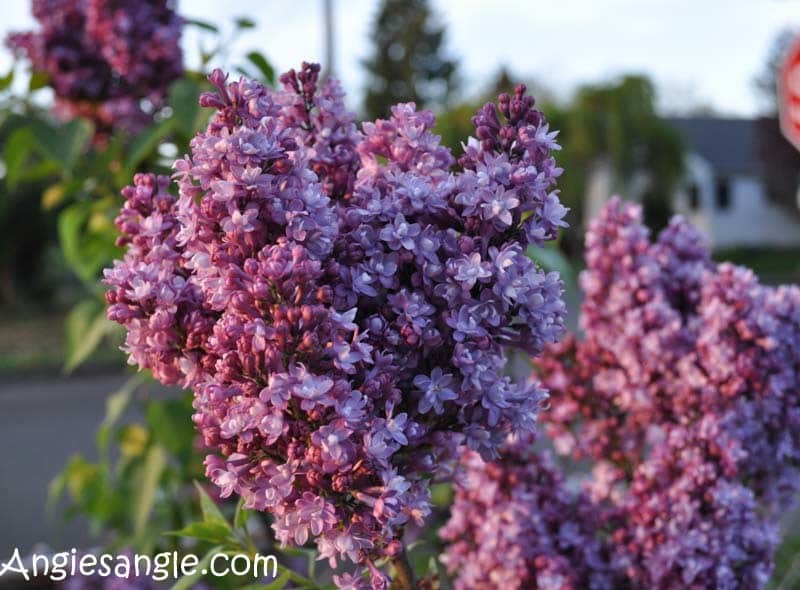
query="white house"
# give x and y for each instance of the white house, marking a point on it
(722, 192)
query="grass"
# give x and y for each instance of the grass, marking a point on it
(772, 265)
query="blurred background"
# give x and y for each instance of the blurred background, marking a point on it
(670, 103)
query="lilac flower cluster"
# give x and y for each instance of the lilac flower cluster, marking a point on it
(104, 58)
(684, 394)
(340, 301)
(518, 513)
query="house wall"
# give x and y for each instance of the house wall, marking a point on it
(750, 219)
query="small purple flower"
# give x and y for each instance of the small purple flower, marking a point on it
(240, 221)
(348, 581)
(315, 514)
(400, 234)
(470, 270)
(333, 440)
(435, 389)
(498, 207)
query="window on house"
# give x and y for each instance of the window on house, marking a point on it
(694, 196)
(723, 193)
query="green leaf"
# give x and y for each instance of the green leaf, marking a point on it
(211, 512)
(38, 81)
(201, 24)
(171, 424)
(241, 516)
(70, 229)
(79, 475)
(266, 69)
(154, 465)
(55, 490)
(87, 237)
(441, 495)
(16, 152)
(63, 144)
(7, 80)
(187, 582)
(145, 144)
(245, 23)
(116, 404)
(183, 98)
(85, 327)
(213, 532)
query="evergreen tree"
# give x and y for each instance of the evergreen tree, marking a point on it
(408, 62)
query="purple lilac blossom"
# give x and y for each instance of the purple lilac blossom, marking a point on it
(516, 525)
(105, 58)
(683, 393)
(340, 312)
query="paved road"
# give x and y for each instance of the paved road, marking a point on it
(43, 422)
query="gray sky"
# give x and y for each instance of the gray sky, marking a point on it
(698, 51)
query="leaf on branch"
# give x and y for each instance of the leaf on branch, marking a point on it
(86, 326)
(266, 69)
(212, 532)
(154, 465)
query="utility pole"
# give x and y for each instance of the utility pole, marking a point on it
(329, 65)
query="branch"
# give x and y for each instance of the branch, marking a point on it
(403, 574)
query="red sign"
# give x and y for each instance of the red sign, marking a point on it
(789, 95)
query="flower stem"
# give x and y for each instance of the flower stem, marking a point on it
(403, 574)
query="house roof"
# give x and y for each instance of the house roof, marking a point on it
(730, 145)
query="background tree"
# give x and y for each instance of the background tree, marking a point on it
(616, 123)
(408, 62)
(780, 160)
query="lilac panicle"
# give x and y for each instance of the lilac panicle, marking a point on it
(683, 393)
(340, 301)
(516, 525)
(103, 58)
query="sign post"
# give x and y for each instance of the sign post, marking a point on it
(789, 95)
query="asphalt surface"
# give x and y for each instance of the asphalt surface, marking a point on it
(43, 422)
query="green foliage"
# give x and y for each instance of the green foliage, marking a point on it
(62, 144)
(231, 536)
(455, 124)
(139, 489)
(617, 123)
(86, 325)
(267, 73)
(787, 563)
(188, 118)
(148, 480)
(87, 234)
(7, 80)
(83, 181)
(407, 62)
(28, 231)
(201, 24)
